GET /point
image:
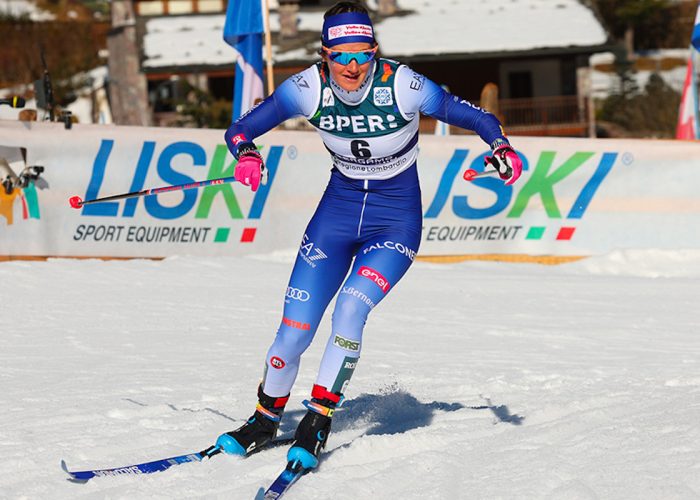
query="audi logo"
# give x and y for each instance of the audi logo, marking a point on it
(297, 294)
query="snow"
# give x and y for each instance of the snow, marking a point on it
(497, 25)
(466, 27)
(25, 8)
(479, 380)
(604, 83)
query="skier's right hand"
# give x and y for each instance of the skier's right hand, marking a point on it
(250, 169)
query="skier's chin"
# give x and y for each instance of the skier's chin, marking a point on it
(350, 82)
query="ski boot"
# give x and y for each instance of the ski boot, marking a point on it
(312, 433)
(259, 430)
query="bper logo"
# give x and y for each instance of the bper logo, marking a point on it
(349, 345)
(297, 294)
(357, 123)
(378, 279)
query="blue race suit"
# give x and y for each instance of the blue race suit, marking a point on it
(369, 218)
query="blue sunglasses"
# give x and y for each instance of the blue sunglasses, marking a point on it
(345, 58)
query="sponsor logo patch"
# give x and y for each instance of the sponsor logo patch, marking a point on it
(392, 245)
(357, 123)
(417, 82)
(328, 99)
(310, 252)
(348, 345)
(375, 276)
(277, 363)
(383, 96)
(300, 82)
(296, 324)
(297, 294)
(349, 30)
(358, 294)
(238, 138)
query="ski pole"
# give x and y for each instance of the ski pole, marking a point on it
(76, 202)
(470, 174)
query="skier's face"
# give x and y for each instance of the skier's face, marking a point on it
(349, 76)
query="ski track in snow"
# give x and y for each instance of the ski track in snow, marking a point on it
(477, 380)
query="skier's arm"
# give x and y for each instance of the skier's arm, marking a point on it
(416, 93)
(297, 96)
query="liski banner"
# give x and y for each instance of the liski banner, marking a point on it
(576, 197)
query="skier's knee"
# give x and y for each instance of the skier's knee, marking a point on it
(349, 313)
(292, 342)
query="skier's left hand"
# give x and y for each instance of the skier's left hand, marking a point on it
(507, 162)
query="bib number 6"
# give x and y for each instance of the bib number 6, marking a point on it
(360, 149)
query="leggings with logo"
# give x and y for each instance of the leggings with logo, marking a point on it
(378, 224)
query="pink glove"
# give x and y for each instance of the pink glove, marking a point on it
(249, 170)
(507, 162)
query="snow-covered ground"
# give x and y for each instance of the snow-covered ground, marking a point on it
(477, 380)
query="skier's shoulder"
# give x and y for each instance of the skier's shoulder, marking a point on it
(411, 88)
(301, 91)
(307, 80)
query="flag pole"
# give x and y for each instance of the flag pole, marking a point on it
(268, 48)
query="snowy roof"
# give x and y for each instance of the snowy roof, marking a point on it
(25, 7)
(467, 27)
(464, 26)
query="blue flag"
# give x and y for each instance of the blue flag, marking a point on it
(243, 30)
(695, 38)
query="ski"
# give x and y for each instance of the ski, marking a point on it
(284, 481)
(156, 465)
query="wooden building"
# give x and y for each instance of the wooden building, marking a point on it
(536, 53)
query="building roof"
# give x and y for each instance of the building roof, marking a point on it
(25, 8)
(465, 28)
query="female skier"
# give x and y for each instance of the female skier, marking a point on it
(369, 220)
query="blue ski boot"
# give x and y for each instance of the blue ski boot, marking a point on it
(312, 433)
(259, 430)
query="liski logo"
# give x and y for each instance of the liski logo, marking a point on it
(197, 202)
(536, 189)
